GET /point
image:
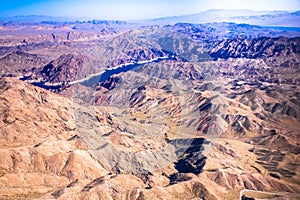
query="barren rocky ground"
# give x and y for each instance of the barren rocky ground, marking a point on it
(116, 111)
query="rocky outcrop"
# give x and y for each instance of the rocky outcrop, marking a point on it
(63, 69)
(282, 50)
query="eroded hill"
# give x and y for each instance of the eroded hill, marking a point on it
(171, 112)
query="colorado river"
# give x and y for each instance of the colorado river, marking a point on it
(93, 80)
(101, 76)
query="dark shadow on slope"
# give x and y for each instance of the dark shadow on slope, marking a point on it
(189, 152)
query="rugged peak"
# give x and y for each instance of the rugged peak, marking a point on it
(263, 47)
(62, 69)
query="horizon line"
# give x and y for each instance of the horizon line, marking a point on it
(84, 18)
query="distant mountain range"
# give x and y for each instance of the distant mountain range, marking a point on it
(262, 18)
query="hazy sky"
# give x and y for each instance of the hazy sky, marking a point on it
(133, 9)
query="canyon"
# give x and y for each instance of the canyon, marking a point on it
(115, 110)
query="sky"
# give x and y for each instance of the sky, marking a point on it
(133, 9)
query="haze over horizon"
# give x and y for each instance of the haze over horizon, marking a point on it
(134, 9)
